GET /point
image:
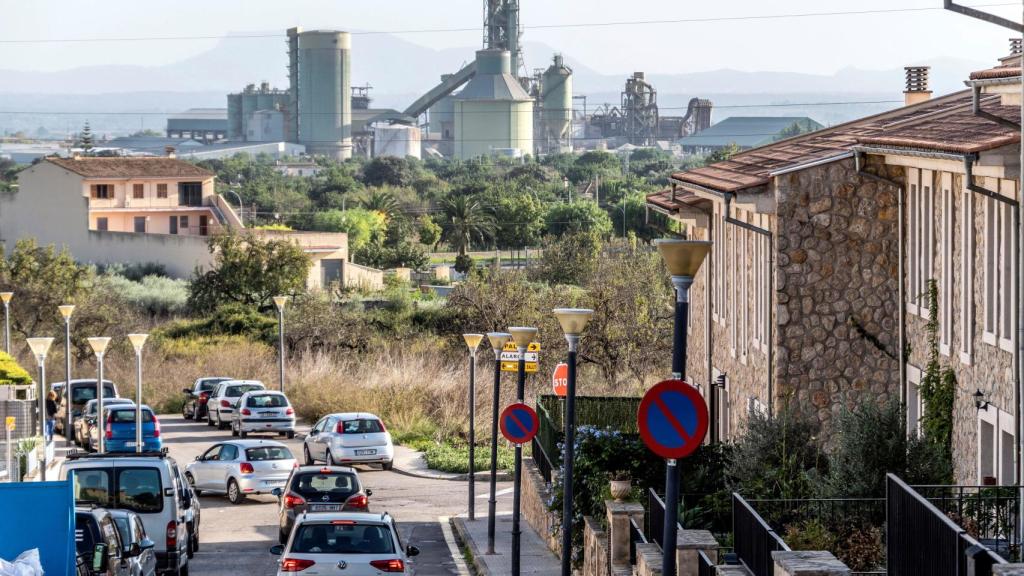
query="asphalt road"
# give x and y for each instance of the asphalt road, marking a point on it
(236, 540)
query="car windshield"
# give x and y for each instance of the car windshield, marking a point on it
(268, 453)
(343, 539)
(82, 393)
(127, 415)
(361, 426)
(267, 401)
(335, 486)
(239, 389)
(210, 384)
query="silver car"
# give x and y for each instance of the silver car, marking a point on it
(263, 411)
(221, 404)
(138, 548)
(240, 468)
(348, 438)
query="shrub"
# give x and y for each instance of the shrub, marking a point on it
(227, 320)
(447, 457)
(776, 457)
(11, 373)
(153, 295)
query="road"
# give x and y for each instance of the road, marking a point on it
(236, 539)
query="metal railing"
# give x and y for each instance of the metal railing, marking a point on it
(541, 459)
(636, 536)
(705, 566)
(615, 412)
(987, 513)
(753, 539)
(655, 517)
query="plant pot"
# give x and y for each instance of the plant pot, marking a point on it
(621, 489)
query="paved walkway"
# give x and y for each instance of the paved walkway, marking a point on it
(535, 557)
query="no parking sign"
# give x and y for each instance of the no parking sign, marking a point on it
(519, 423)
(673, 419)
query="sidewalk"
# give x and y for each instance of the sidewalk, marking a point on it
(535, 557)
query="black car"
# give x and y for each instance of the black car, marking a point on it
(319, 489)
(75, 397)
(98, 543)
(196, 397)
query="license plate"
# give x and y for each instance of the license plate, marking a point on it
(130, 444)
(365, 452)
(273, 483)
(325, 507)
(267, 414)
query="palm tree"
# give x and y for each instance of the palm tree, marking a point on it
(465, 218)
(379, 200)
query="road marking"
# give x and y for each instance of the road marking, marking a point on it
(453, 547)
(496, 494)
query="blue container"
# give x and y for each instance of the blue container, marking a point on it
(39, 515)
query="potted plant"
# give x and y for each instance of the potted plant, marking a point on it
(621, 485)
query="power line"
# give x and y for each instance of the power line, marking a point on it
(476, 29)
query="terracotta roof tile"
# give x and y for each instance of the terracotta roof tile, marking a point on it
(959, 133)
(134, 167)
(997, 72)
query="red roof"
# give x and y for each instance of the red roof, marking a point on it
(130, 167)
(959, 133)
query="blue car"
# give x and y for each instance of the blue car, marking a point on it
(119, 430)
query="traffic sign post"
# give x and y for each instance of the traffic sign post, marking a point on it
(523, 336)
(560, 379)
(519, 423)
(673, 419)
(9, 425)
(510, 357)
(498, 341)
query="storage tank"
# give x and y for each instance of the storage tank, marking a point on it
(493, 112)
(556, 107)
(325, 93)
(397, 140)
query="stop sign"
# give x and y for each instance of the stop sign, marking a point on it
(560, 379)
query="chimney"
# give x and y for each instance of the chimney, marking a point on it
(169, 150)
(1013, 58)
(917, 85)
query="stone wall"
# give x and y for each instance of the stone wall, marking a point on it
(837, 268)
(595, 548)
(535, 497)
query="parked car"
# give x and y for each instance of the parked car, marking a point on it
(222, 401)
(197, 396)
(98, 543)
(119, 430)
(148, 484)
(87, 421)
(75, 398)
(319, 489)
(263, 411)
(136, 545)
(357, 544)
(240, 468)
(349, 438)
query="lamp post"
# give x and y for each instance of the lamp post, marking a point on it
(6, 298)
(65, 311)
(522, 335)
(573, 322)
(472, 342)
(683, 259)
(138, 340)
(279, 302)
(40, 346)
(99, 346)
(497, 340)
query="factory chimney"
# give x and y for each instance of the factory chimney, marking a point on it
(917, 90)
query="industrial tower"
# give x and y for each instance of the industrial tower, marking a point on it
(502, 31)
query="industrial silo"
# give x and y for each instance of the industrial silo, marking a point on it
(325, 95)
(493, 114)
(556, 106)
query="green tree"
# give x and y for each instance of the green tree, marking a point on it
(723, 154)
(85, 138)
(390, 170)
(594, 164)
(568, 259)
(578, 216)
(465, 219)
(429, 232)
(248, 270)
(402, 255)
(520, 220)
(362, 226)
(777, 457)
(379, 200)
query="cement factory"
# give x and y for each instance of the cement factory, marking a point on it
(492, 106)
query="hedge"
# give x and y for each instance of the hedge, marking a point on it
(11, 373)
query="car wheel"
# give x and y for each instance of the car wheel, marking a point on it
(243, 434)
(282, 538)
(388, 465)
(184, 411)
(183, 571)
(195, 543)
(328, 458)
(235, 495)
(192, 482)
(291, 435)
(209, 418)
(308, 460)
(189, 551)
(234, 431)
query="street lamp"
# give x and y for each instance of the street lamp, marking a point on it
(65, 311)
(138, 340)
(682, 258)
(6, 298)
(498, 341)
(279, 302)
(472, 342)
(573, 322)
(99, 346)
(523, 336)
(40, 346)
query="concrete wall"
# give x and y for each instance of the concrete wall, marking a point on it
(481, 126)
(595, 548)
(536, 495)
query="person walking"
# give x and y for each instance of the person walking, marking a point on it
(51, 414)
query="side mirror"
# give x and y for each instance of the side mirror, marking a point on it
(277, 550)
(99, 558)
(199, 458)
(314, 432)
(412, 551)
(147, 544)
(277, 492)
(133, 550)
(187, 391)
(369, 492)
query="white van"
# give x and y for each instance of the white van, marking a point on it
(150, 485)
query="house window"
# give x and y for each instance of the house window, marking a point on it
(138, 191)
(733, 287)
(140, 224)
(102, 223)
(946, 254)
(999, 269)
(743, 269)
(988, 421)
(190, 193)
(717, 261)
(967, 277)
(920, 208)
(1007, 433)
(756, 407)
(102, 191)
(915, 403)
(183, 224)
(161, 190)
(762, 296)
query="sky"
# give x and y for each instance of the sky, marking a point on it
(820, 44)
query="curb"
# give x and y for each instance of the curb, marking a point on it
(461, 535)
(480, 477)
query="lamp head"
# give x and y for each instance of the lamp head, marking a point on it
(137, 341)
(522, 335)
(99, 344)
(66, 310)
(498, 340)
(573, 320)
(280, 301)
(472, 341)
(5, 297)
(40, 346)
(683, 257)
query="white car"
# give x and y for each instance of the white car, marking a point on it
(240, 468)
(263, 411)
(221, 404)
(346, 544)
(348, 438)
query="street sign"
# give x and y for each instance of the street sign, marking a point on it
(673, 419)
(519, 423)
(560, 379)
(10, 423)
(510, 357)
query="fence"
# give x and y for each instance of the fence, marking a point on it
(924, 540)
(615, 412)
(988, 513)
(753, 539)
(636, 536)
(705, 566)
(655, 517)
(545, 443)
(24, 412)
(541, 458)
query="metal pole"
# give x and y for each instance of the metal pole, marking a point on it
(668, 560)
(7, 327)
(138, 402)
(472, 435)
(517, 481)
(67, 379)
(10, 451)
(42, 413)
(100, 432)
(280, 345)
(492, 500)
(567, 462)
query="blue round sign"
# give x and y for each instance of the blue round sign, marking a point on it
(518, 423)
(673, 419)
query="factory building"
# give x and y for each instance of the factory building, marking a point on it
(325, 93)
(203, 124)
(245, 125)
(555, 111)
(493, 113)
